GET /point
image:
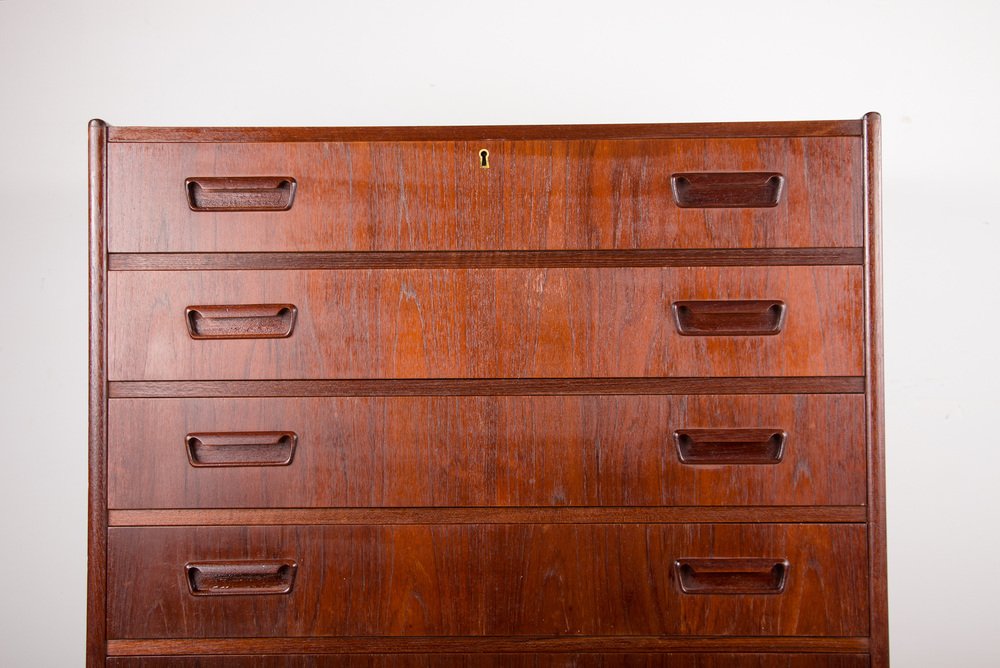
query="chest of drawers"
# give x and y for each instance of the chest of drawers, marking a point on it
(486, 396)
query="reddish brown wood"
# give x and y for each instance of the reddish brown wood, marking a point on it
(484, 644)
(536, 195)
(712, 257)
(490, 515)
(718, 576)
(486, 387)
(488, 323)
(848, 128)
(98, 394)
(241, 321)
(730, 317)
(484, 580)
(485, 451)
(513, 660)
(727, 189)
(243, 577)
(710, 447)
(499, 454)
(241, 193)
(243, 448)
(874, 392)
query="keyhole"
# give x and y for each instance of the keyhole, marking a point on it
(484, 158)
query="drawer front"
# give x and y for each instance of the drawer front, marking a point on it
(487, 580)
(486, 451)
(366, 196)
(514, 660)
(486, 323)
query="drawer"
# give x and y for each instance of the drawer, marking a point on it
(513, 660)
(488, 580)
(582, 194)
(486, 451)
(486, 323)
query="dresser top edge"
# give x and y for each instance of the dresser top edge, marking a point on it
(836, 128)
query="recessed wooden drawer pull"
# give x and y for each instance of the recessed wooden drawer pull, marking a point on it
(247, 448)
(232, 578)
(713, 190)
(736, 317)
(731, 576)
(240, 193)
(243, 321)
(730, 446)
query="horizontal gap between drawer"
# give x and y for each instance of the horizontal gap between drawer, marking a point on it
(835, 128)
(485, 259)
(490, 515)
(447, 645)
(484, 387)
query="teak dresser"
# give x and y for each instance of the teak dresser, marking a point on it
(487, 396)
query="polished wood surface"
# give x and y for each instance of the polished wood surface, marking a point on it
(240, 448)
(241, 577)
(485, 451)
(476, 580)
(513, 660)
(672, 257)
(240, 193)
(709, 576)
(240, 321)
(545, 195)
(729, 317)
(835, 128)
(874, 391)
(409, 387)
(487, 515)
(543, 396)
(489, 323)
(730, 445)
(486, 645)
(97, 501)
(711, 190)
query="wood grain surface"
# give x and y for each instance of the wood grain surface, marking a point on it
(97, 426)
(486, 451)
(486, 323)
(487, 515)
(433, 195)
(440, 387)
(670, 257)
(485, 580)
(513, 660)
(821, 128)
(875, 391)
(470, 428)
(488, 645)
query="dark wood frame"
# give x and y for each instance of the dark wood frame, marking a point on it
(849, 128)
(706, 257)
(874, 392)
(97, 514)
(867, 129)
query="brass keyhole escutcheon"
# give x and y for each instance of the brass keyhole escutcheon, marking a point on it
(484, 158)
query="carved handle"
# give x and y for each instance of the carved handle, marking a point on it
(731, 576)
(245, 321)
(247, 448)
(712, 190)
(240, 193)
(735, 317)
(234, 578)
(730, 446)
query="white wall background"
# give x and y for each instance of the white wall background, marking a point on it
(932, 69)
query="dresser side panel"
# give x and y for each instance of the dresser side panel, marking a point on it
(97, 423)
